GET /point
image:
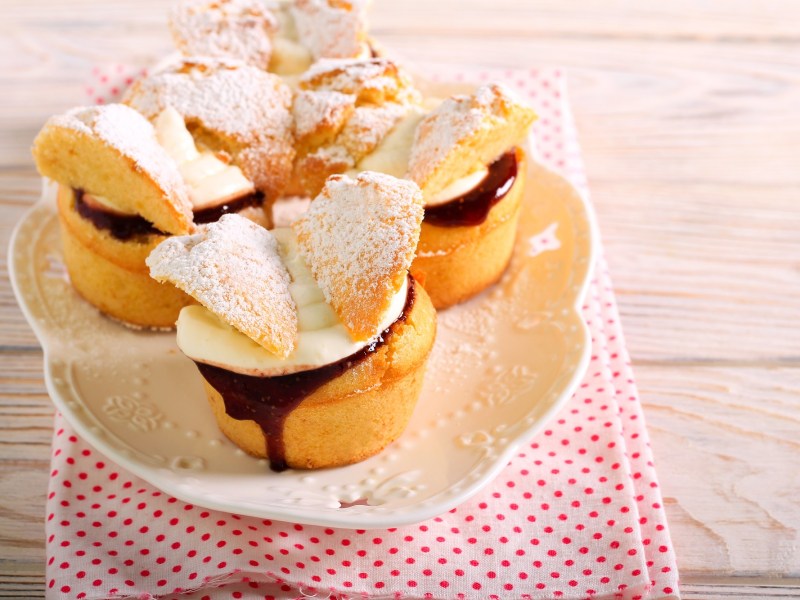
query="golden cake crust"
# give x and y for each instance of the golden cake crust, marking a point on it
(112, 151)
(342, 111)
(233, 268)
(331, 28)
(464, 132)
(230, 107)
(238, 29)
(111, 274)
(358, 413)
(358, 238)
(370, 80)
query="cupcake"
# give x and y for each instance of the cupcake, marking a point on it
(311, 340)
(466, 157)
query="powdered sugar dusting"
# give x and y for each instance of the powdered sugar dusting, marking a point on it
(232, 267)
(128, 132)
(373, 80)
(453, 120)
(331, 28)
(248, 109)
(368, 126)
(225, 96)
(462, 120)
(359, 237)
(318, 112)
(361, 134)
(343, 111)
(224, 28)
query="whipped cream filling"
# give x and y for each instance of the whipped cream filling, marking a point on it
(104, 204)
(392, 154)
(289, 57)
(211, 180)
(322, 339)
(459, 187)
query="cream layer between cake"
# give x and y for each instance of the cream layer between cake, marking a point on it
(322, 339)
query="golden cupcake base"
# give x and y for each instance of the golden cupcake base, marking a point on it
(456, 263)
(357, 414)
(111, 274)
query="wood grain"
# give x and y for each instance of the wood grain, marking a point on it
(726, 445)
(689, 117)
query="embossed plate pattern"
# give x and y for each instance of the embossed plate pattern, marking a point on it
(502, 365)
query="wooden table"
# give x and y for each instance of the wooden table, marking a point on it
(689, 116)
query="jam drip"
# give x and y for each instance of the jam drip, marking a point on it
(270, 400)
(214, 213)
(473, 207)
(122, 227)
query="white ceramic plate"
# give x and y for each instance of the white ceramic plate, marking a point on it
(502, 365)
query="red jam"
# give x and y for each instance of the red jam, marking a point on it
(270, 400)
(122, 227)
(125, 227)
(472, 208)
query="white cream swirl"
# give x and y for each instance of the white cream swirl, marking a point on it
(211, 181)
(459, 187)
(392, 154)
(322, 338)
